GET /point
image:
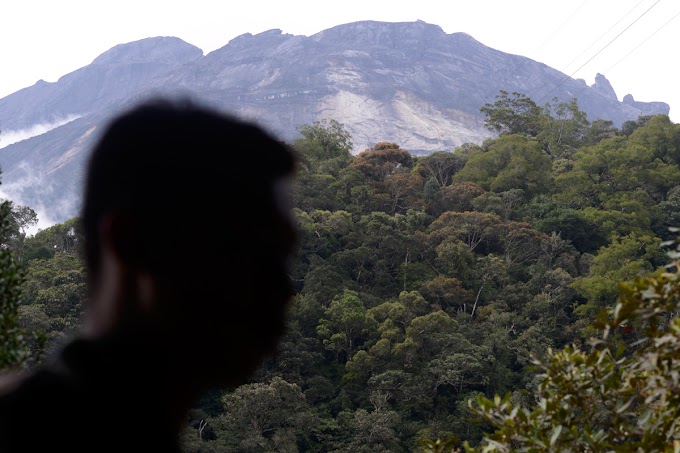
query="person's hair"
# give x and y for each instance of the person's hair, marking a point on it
(171, 171)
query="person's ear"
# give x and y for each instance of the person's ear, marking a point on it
(117, 230)
(121, 290)
(118, 233)
(108, 289)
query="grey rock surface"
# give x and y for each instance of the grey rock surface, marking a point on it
(409, 83)
(603, 86)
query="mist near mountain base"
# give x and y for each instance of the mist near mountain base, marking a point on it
(13, 136)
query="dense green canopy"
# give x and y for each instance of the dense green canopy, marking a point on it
(425, 282)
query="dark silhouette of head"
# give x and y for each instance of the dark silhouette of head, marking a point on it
(187, 238)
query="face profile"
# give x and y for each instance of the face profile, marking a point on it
(188, 234)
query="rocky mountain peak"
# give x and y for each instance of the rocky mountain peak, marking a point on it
(251, 47)
(160, 49)
(406, 82)
(603, 86)
(387, 34)
(647, 108)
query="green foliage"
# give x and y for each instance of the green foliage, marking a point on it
(13, 340)
(616, 167)
(564, 128)
(511, 162)
(53, 298)
(264, 417)
(448, 445)
(424, 282)
(570, 224)
(60, 238)
(344, 325)
(325, 146)
(513, 114)
(21, 219)
(621, 394)
(623, 259)
(440, 166)
(599, 130)
(631, 125)
(455, 197)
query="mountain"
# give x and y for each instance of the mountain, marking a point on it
(409, 83)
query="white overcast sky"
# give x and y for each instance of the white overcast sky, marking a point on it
(45, 39)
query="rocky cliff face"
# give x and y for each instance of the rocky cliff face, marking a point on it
(116, 75)
(646, 108)
(409, 83)
(603, 86)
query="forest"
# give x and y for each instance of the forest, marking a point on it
(470, 299)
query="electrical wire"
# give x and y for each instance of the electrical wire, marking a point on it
(600, 51)
(633, 50)
(647, 39)
(564, 68)
(602, 36)
(525, 59)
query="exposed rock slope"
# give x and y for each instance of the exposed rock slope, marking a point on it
(410, 83)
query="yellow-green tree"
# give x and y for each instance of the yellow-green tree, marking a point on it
(622, 393)
(13, 342)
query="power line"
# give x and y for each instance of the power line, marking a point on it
(602, 36)
(564, 68)
(544, 41)
(635, 48)
(600, 51)
(647, 39)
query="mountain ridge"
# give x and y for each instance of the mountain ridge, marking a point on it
(406, 82)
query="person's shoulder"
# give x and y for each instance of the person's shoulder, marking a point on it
(22, 386)
(10, 381)
(33, 408)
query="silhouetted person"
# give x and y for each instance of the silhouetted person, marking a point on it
(187, 236)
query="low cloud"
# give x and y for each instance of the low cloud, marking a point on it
(9, 137)
(28, 190)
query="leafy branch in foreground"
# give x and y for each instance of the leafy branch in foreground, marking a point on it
(13, 342)
(620, 394)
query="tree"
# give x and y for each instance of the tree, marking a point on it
(600, 130)
(344, 325)
(401, 192)
(563, 129)
(383, 159)
(503, 204)
(374, 432)
(60, 238)
(13, 340)
(620, 394)
(631, 125)
(325, 146)
(625, 258)
(571, 224)
(458, 370)
(54, 289)
(455, 197)
(644, 161)
(519, 242)
(264, 417)
(393, 317)
(511, 162)
(660, 135)
(671, 213)
(446, 292)
(315, 191)
(472, 228)
(21, 220)
(513, 114)
(440, 166)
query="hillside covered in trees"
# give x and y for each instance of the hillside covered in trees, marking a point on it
(421, 282)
